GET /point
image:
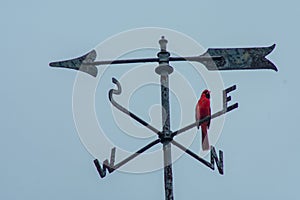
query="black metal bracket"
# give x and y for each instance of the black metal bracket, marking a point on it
(124, 110)
(110, 166)
(213, 157)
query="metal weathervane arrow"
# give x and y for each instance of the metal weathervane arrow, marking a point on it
(213, 59)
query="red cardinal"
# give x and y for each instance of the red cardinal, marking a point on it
(202, 111)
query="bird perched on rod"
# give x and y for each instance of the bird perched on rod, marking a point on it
(203, 110)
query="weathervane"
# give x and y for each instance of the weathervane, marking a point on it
(213, 59)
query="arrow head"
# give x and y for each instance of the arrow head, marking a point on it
(239, 58)
(78, 63)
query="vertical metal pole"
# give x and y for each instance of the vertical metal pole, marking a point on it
(164, 69)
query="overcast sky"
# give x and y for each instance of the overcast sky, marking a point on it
(42, 154)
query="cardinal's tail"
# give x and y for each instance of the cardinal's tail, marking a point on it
(205, 142)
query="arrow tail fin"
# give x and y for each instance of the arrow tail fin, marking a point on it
(240, 58)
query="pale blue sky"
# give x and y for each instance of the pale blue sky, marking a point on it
(41, 154)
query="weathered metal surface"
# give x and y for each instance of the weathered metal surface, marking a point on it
(79, 63)
(219, 161)
(168, 174)
(164, 70)
(164, 80)
(109, 166)
(239, 58)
